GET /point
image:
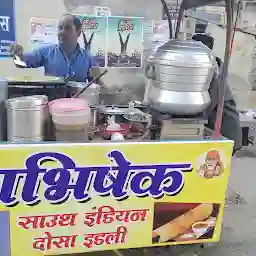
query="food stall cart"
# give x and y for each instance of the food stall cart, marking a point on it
(139, 190)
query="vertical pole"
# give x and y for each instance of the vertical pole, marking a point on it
(224, 71)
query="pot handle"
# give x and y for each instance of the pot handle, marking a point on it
(147, 130)
(150, 72)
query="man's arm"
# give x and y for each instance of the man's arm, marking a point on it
(35, 58)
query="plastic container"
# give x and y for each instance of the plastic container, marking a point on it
(70, 113)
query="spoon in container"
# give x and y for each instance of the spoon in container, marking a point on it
(90, 83)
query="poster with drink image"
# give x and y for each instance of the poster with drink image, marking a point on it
(125, 42)
(94, 38)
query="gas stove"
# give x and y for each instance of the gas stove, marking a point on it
(176, 127)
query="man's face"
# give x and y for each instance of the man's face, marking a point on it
(67, 32)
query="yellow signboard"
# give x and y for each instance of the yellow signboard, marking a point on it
(72, 198)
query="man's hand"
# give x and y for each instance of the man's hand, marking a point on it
(16, 50)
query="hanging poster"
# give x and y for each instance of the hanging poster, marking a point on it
(7, 26)
(148, 30)
(212, 14)
(94, 38)
(43, 31)
(248, 22)
(173, 8)
(252, 75)
(147, 35)
(125, 41)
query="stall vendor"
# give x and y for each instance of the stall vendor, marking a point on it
(64, 59)
(230, 127)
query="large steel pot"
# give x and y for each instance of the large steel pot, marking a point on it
(178, 103)
(180, 73)
(26, 118)
(115, 96)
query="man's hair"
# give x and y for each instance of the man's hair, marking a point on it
(205, 39)
(77, 22)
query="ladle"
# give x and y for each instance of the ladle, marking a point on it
(90, 83)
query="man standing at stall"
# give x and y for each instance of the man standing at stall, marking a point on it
(63, 59)
(230, 127)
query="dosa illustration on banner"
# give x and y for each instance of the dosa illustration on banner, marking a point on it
(73, 198)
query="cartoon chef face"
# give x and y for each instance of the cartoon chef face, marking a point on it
(212, 159)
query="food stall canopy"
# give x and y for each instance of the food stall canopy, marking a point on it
(187, 4)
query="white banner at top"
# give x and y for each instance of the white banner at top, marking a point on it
(102, 11)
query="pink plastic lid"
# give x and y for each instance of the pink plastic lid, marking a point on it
(67, 105)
